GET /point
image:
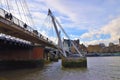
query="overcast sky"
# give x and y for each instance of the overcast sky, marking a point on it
(91, 21)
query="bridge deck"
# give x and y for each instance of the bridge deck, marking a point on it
(17, 28)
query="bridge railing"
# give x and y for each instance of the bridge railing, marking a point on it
(23, 25)
(2, 12)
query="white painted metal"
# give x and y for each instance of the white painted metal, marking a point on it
(57, 32)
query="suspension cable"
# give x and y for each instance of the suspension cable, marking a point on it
(47, 28)
(12, 7)
(54, 20)
(43, 23)
(30, 16)
(8, 6)
(23, 10)
(1, 4)
(18, 9)
(27, 12)
(68, 37)
(53, 32)
(50, 28)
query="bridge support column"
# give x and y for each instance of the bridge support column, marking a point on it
(46, 55)
(74, 62)
(22, 58)
(38, 55)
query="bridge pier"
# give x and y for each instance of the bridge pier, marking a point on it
(46, 55)
(74, 62)
(22, 58)
(50, 55)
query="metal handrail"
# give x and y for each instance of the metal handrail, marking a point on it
(21, 24)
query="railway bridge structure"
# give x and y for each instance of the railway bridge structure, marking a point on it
(19, 43)
(22, 45)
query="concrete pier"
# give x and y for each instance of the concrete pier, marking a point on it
(22, 58)
(74, 62)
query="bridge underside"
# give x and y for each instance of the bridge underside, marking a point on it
(22, 33)
(7, 44)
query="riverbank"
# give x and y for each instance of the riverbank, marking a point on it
(102, 54)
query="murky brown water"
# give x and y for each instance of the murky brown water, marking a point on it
(99, 68)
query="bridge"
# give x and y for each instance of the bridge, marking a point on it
(17, 28)
(22, 45)
(18, 40)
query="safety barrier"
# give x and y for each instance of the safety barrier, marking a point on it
(23, 25)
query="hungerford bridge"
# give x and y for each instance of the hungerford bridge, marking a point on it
(22, 45)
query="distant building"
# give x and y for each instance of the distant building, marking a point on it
(67, 43)
(111, 44)
(119, 41)
(102, 45)
(101, 48)
(82, 48)
(94, 48)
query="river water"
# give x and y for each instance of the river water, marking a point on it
(99, 68)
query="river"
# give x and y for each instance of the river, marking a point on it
(99, 68)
